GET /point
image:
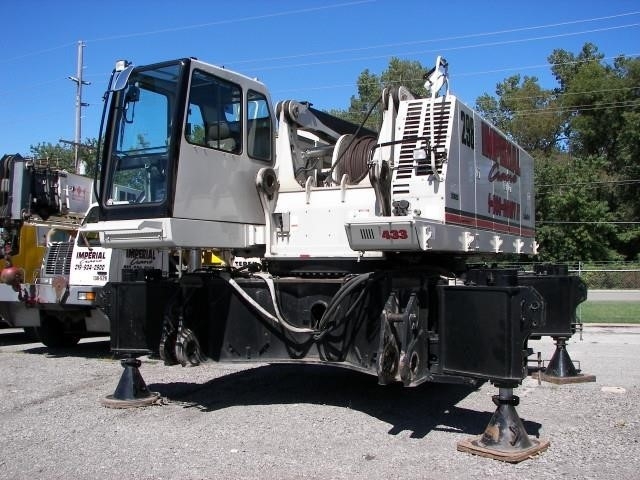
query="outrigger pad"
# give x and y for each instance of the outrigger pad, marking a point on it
(131, 391)
(579, 378)
(474, 447)
(561, 370)
(505, 437)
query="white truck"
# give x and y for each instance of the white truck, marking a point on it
(52, 276)
(72, 276)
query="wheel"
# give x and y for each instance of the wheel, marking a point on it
(32, 334)
(53, 334)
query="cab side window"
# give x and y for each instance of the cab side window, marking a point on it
(215, 112)
(259, 128)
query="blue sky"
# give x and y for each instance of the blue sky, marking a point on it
(305, 50)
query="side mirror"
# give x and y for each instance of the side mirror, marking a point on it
(132, 95)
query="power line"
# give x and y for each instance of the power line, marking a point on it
(555, 96)
(582, 108)
(584, 185)
(233, 20)
(531, 67)
(291, 12)
(448, 49)
(603, 182)
(434, 40)
(31, 117)
(39, 52)
(573, 108)
(327, 52)
(469, 74)
(208, 24)
(597, 222)
(31, 87)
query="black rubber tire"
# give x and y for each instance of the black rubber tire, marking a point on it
(52, 333)
(32, 334)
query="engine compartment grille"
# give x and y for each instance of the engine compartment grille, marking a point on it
(418, 124)
(58, 259)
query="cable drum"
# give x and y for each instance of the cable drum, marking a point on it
(350, 157)
(7, 163)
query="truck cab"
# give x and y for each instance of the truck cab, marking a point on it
(74, 271)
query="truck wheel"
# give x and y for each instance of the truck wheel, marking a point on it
(32, 334)
(52, 333)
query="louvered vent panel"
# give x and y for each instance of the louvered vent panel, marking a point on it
(417, 124)
(367, 234)
(58, 260)
(412, 128)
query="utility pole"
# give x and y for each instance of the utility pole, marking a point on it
(79, 104)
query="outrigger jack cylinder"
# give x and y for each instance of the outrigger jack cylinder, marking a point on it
(131, 391)
(505, 437)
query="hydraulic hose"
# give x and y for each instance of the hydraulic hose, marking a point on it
(277, 319)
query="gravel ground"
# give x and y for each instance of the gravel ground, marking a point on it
(290, 422)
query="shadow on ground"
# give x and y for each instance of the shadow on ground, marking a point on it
(89, 348)
(420, 410)
(13, 336)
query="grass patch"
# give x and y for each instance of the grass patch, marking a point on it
(609, 312)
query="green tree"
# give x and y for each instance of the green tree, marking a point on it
(585, 136)
(627, 201)
(526, 112)
(370, 86)
(62, 156)
(565, 65)
(405, 73)
(572, 223)
(56, 155)
(604, 104)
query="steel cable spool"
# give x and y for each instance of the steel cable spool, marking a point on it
(350, 157)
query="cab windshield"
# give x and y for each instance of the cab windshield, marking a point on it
(142, 130)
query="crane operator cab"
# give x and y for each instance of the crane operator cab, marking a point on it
(184, 143)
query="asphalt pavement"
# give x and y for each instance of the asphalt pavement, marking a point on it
(613, 295)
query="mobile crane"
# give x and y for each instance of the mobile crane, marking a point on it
(357, 247)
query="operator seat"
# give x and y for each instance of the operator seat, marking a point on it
(219, 136)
